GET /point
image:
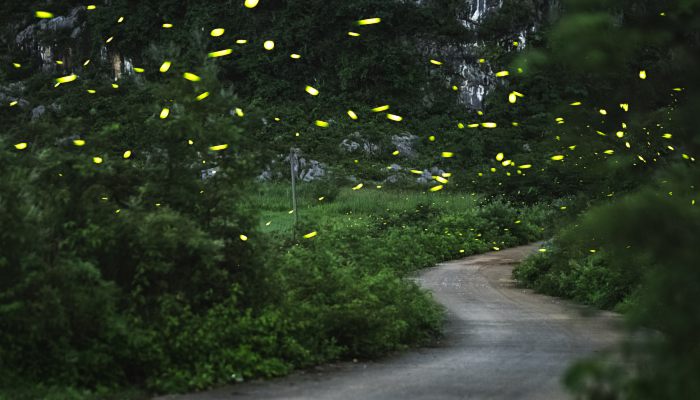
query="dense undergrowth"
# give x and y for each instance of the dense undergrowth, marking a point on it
(342, 294)
(637, 256)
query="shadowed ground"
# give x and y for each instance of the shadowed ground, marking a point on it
(501, 342)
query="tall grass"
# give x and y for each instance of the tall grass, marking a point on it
(274, 203)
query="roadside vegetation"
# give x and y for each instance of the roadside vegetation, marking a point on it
(139, 254)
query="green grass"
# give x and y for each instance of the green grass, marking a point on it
(349, 208)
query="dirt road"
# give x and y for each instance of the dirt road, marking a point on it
(501, 342)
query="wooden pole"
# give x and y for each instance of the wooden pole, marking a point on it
(292, 167)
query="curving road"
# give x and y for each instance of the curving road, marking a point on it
(501, 342)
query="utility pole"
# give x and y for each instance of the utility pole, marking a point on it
(292, 167)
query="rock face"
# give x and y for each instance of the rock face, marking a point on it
(404, 143)
(474, 79)
(40, 39)
(356, 143)
(306, 170)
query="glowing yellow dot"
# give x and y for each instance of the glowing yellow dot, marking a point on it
(138, 70)
(352, 114)
(311, 90)
(489, 125)
(322, 124)
(358, 187)
(501, 74)
(164, 113)
(310, 235)
(353, 34)
(435, 62)
(369, 21)
(219, 147)
(165, 66)
(79, 142)
(380, 108)
(202, 96)
(217, 32)
(436, 188)
(447, 154)
(295, 56)
(642, 74)
(557, 157)
(167, 25)
(66, 79)
(269, 45)
(250, 3)
(243, 237)
(499, 157)
(97, 160)
(126, 154)
(394, 117)
(43, 14)
(220, 53)
(21, 146)
(191, 77)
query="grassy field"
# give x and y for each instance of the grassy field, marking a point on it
(349, 208)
